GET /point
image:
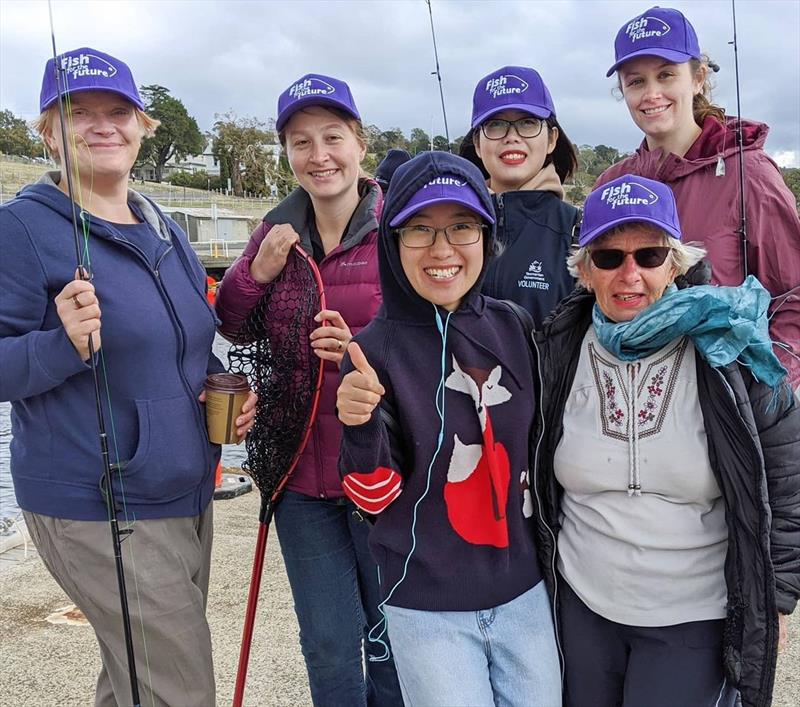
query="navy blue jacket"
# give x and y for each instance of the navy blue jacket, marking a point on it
(534, 228)
(157, 331)
(474, 544)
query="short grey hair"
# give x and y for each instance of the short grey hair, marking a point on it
(684, 255)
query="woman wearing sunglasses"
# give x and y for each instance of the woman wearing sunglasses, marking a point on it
(526, 156)
(669, 469)
(691, 145)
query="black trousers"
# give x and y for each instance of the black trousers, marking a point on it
(614, 665)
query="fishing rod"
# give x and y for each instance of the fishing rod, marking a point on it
(742, 230)
(117, 535)
(438, 75)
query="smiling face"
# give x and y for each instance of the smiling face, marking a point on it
(442, 273)
(659, 96)
(625, 291)
(513, 160)
(106, 135)
(324, 153)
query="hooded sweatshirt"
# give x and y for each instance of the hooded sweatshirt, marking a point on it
(708, 206)
(156, 352)
(454, 528)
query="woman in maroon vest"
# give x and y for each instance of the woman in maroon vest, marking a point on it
(333, 215)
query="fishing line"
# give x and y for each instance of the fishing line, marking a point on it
(439, 77)
(382, 625)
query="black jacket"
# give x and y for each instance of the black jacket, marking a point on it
(754, 450)
(534, 230)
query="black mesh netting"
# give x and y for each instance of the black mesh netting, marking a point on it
(272, 348)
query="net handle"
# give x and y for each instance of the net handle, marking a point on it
(268, 508)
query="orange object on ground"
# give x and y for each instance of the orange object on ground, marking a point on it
(218, 476)
(211, 290)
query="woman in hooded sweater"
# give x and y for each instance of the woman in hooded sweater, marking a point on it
(526, 157)
(151, 329)
(333, 215)
(438, 403)
(690, 145)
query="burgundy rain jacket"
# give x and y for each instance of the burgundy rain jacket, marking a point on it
(708, 206)
(350, 277)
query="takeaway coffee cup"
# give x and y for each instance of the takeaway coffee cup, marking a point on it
(225, 395)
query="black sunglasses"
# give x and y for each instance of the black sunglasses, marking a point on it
(612, 258)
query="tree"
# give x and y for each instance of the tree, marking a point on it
(791, 175)
(440, 143)
(178, 134)
(238, 144)
(419, 142)
(16, 137)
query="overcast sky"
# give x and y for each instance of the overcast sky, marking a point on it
(235, 55)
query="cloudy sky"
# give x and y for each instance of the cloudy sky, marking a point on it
(237, 55)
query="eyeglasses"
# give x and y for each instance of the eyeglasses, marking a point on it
(456, 234)
(612, 258)
(497, 128)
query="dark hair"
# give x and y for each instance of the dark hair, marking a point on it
(563, 156)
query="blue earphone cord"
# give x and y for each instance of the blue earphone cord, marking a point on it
(377, 632)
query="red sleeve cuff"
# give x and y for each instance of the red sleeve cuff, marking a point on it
(373, 492)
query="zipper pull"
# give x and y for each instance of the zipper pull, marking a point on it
(501, 217)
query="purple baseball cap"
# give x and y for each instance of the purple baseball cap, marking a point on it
(315, 90)
(446, 188)
(659, 31)
(511, 87)
(628, 199)
(87, 69)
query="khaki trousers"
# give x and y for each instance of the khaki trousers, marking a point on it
(166, 564)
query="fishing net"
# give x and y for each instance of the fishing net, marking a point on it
(272, 348)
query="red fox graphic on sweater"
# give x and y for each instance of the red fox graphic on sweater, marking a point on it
(478, 478)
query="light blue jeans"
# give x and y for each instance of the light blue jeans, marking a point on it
(500, 657)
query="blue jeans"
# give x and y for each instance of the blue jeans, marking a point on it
(334, 584)
(501, 657)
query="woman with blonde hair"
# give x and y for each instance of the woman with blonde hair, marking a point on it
(333, 215)
(152, 355)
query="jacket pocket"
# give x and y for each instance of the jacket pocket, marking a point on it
(172, 453)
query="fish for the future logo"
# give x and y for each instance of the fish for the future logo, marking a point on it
(505, 84)
(87, 65)
(644, 27)
(445, 182)
(628, 194)
(311, 87)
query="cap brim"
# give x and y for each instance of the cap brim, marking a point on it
(307, 101)
(539, 111)
(593, 235)
(409, 211)
(669, 54)
(84, 89)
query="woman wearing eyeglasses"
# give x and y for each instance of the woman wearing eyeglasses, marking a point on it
(526, 156)
(691, 145)
(669, 469)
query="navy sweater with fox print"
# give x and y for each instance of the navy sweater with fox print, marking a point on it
(451, 492)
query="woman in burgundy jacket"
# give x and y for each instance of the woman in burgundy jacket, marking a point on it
(333, 215)
(690, 145)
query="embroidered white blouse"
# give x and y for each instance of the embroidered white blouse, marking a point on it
(644, 537)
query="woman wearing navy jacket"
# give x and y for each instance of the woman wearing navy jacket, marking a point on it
(526, 156)
(153, 355)
(466, 609)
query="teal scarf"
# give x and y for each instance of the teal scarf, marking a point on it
(725, 324)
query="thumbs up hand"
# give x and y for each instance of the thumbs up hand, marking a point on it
(360, 390)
